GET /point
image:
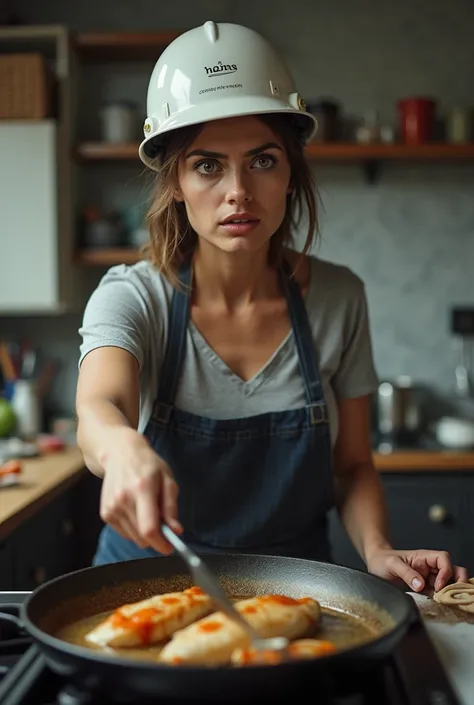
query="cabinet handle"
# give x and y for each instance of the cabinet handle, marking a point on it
(67, 527)
(39, 575)
(437, 513)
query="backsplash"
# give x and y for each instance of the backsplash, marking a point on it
(411, 239)
(410, 236)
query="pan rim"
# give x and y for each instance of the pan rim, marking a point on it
(105, 659)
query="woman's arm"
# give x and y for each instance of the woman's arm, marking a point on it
(360, 494)
(107, 400)
(139, 490)
(362, 509)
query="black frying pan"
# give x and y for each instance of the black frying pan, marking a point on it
(97, 589)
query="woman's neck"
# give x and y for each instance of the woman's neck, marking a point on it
(232, 280)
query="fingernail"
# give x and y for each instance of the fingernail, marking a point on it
(416, 583)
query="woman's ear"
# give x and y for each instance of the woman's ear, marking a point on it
(178, 196)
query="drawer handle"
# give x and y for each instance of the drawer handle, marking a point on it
(39, 575)
(437, 514)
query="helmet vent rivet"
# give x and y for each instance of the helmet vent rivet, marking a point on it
(274, 88)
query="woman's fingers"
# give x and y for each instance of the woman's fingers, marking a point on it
(169, 503)
(148, 520)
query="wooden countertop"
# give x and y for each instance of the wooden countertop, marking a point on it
(423, 460)
(42, 479)
(46, 476)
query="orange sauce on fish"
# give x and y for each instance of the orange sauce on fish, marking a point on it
(170, 600)
(212, 626)
(140, 622)
(279, 599)
(267, 656)
(321, 647)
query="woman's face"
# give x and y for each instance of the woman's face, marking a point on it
(234, 180)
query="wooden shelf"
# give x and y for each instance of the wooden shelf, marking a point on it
(107, 257)
(102, 151)
(121, 46)
(362, 152)
(105, 151)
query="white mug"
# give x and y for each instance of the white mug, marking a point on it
(119, 122)
(26, 405)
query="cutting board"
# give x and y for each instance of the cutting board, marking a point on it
(442, 614)
(452, 633)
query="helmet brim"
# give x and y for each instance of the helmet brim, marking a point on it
(229, 107)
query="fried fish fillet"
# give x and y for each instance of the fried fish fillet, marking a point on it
(213, 639)
(299, 649)
(152, 620)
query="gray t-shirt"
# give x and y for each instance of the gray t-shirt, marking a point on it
(130, 309)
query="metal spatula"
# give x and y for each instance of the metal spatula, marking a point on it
(208, 582)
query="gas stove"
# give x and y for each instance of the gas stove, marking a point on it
(413, 675)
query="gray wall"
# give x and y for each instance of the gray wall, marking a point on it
(410, 236)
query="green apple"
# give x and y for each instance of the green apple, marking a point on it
(7, 418)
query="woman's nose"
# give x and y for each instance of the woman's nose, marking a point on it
(238, 188)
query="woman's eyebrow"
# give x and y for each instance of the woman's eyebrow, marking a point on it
(220, 155)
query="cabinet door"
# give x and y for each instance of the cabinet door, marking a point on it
(29, 277)
(425, 511)
(45, 546)
(468, 533)
(87, 521)
(7, 581)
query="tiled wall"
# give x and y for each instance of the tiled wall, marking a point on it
(410, 235)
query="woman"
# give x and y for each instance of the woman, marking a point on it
(224, 382)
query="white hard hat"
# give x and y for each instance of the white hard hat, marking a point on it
(218, 70)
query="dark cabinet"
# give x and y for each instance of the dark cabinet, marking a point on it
(58, 539)
(45, 545)
(467, 539)
(427, 510)
(6, 567)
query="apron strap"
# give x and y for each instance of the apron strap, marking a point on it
(176, 344)
(303, 337)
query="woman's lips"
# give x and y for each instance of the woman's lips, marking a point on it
(240, 226)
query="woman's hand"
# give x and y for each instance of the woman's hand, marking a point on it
(420, 569)
(139, 492)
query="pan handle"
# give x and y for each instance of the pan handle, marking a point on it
(10, 624)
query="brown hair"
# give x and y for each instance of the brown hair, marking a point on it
(172, 240)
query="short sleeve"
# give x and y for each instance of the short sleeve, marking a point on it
(356, 375)
(116, 314)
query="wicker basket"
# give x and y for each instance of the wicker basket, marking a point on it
(25, 87)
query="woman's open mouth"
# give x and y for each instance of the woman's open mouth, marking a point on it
(240, 224)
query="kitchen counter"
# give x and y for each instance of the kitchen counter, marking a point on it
(411, 460)
(454, 642)
(42, 479)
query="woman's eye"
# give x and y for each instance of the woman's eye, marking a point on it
(264, 161)
(206, 168)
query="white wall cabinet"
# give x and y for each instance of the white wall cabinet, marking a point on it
(30, 280)
(37, 272)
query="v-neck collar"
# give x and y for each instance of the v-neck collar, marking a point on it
(278, 356)
(250, 385)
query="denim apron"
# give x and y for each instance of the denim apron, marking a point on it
(261, 484)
